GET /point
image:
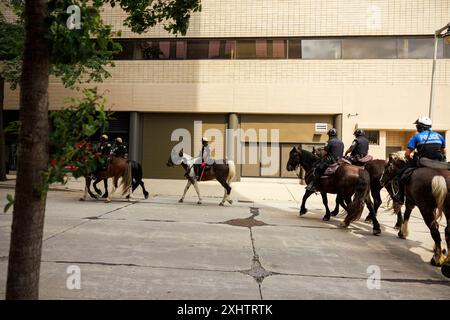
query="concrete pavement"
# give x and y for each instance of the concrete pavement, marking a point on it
(258, 248)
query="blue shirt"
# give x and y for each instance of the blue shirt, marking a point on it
(421, 139)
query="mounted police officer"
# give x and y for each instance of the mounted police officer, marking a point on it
(359, 148)
(205, 157)
(427, 144)
(120, 150)
(334, 149)
(105, 147)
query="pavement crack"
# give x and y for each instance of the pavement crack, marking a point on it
(86, 220)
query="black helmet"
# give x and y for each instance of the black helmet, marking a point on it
(332, 132)
(359, 132)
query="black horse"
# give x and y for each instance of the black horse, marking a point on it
(136, 176)
(348, 181)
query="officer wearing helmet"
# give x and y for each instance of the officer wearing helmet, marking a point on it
(120, 150)
(427, 144)
(359, 148)
(105, 146)
(204, 158)
(334, 151)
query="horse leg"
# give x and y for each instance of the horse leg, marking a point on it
(336, 208)
(370, 206)
(227, 189)
(198, 193)
(188, 185)
(115, 180)
(97, 190)
(376, 225)
(327, 210)
(141, 183)
(303, 209)
(429, 218)
(398, 211)
(404, 232)
(105, 184)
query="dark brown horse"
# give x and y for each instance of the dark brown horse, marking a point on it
(117, 168)
(136, 176)
(428, 189)
(347, 181)
(223, 171)
(375, 169)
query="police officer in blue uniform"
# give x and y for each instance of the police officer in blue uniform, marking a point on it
(335, 150)
(428, 144)
(359, 148)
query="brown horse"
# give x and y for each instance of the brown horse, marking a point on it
(428, 189)
(375, 169)
(347, 181)
(117, 168)
(222, 171)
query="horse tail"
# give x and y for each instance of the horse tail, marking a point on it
(439, 191)
(127, 179)
(231, 170)
(362, 188)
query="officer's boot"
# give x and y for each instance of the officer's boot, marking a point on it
(313, 186)
(399, 197)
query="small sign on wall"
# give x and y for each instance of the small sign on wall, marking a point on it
(321, 128)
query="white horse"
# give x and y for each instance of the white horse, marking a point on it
(223, 171)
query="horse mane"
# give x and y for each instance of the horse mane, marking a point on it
(308, 156)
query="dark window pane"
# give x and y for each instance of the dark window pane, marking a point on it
(164, 48)
(127, 51)
(197, 49)
(246, 49)
(181, 50)
(150, 50)
(214, 49)
(230, 49)
(369, 48)
(279, 49)
(295, 49)
(373, 137)
(261, 49)
(321, 49)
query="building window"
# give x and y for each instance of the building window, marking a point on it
(127, 52)
(369, 48)
(246, 49)
(415, 48)
(294, 49)
(197, 49)
(321, 49)
(373, 137)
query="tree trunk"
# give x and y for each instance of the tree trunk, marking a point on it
(30, 197)
(2, 135)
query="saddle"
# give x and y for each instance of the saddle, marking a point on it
(433, 164)
(333, 167)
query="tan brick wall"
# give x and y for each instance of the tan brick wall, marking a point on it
(261, 18)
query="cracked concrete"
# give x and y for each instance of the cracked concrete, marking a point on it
(160, 249)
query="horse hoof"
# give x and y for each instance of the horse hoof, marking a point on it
(221, 204)
(334, 213)
(397, 227)
(368, 220)
(326, 218)
(230, 201)
(180, 201)
(376, 232)
(303, 211)
(446, 269)
(146, 196)
(199, 202)
(436, 262)
(343, 225)
(82, 199)
(108, 200)
(401, 235)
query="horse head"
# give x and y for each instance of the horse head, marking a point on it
(295, 157)
(394, 164)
